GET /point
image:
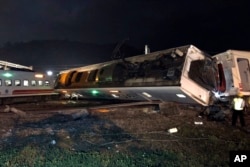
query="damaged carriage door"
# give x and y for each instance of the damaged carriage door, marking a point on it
(243, 66)
(221, 84)
(192, 81)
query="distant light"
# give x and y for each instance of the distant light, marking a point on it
(146, 94)
(7, 75)
(39, 75)
(147, 50)
(49, 73)
(181, 95)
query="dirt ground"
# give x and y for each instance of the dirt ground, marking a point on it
(121, 129)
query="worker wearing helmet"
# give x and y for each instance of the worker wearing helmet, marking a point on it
(238, 105)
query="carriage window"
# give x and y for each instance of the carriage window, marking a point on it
(40, 83)
(78, 76)
(92, 75)
(17, 82)
(33, 83)
(46, 83)
(25, 82)
(244, 70)
(8, 82)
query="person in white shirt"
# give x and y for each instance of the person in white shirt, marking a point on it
(238, 106)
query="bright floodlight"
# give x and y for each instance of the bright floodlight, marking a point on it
(49, 73)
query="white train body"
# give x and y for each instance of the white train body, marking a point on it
(234, 70)
(17, 82)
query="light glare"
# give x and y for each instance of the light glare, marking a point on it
(146, 94)
(49, 73)
(181, 95)
(39, 75)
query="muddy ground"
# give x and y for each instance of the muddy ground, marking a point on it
(120, 129)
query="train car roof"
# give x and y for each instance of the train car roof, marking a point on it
(235, 52)
(5, 65)
(16, 69)
(136, 58)
(239, 52)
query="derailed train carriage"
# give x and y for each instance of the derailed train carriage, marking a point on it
(183, 74)
(234, 71)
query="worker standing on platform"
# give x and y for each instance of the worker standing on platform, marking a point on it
(238, 106)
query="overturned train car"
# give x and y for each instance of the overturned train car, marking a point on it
(183, 74)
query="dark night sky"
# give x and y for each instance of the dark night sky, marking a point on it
(212, 25)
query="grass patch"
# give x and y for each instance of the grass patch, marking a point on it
(30, 156)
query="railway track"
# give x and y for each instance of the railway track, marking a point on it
(66, 106)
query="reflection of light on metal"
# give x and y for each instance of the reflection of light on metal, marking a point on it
(114, 91)
(178, 52)
(39, 75)
(173, 55)
(66, 95)
(222, 96)
(103, 110)
(181, 95)
(216, 94)
(75, 95)
(115, 96)
(146, 94)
